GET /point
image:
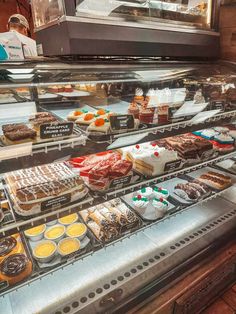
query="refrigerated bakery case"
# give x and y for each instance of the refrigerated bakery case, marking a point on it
(142, 28)
(115, 180)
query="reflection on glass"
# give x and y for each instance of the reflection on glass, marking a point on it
(46, 11)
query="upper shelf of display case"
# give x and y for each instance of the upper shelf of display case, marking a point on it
(152, 28)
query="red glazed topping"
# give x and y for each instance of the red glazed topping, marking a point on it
(139, 197)
(156, 154)
(89, 116)
(101, 112)
(161, 199)
(137, 146)
(78, 113)
(99, 122)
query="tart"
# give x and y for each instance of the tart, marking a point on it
(45, 251)
(76, 230)
(69, 219)
(68, 246)
(35, 233)
(55, 233)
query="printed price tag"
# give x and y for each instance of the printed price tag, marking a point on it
(218, 105)
(122, 122)
(120, 181)
(60, 129)
(3, 285)
(56, 202)
(172, 165)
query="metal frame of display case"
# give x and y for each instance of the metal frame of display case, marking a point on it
(80, 35)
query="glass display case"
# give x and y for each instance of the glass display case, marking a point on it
(158, 24)
(115, 177)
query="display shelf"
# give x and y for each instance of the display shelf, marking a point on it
(154, 250)
(98, 198)
(135, 187)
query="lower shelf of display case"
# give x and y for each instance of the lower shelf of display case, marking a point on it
(112, 274)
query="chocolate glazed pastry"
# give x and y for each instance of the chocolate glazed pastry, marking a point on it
(15, 268)
(7, 245)
(13, 265)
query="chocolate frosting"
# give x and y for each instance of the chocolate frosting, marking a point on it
(7, 244)
(14, 264)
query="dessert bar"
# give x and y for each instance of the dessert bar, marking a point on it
(215, 180)
(17, 133)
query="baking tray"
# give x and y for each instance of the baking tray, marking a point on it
(230, 194)
(199, 172)
(86, 247)
(150, 214)
(124, 230)
(170, 186)
(226, 165)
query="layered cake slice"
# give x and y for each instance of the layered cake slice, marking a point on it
(215, 180)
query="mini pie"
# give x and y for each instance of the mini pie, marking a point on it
(68, 245)
(69, 219)
(54, 232)
(76, 230)
(35, 230)
(44, 249)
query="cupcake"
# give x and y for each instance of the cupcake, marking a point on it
(146, 192)
(161, 206)
(139, 202)
(138, 98)
(159, 192)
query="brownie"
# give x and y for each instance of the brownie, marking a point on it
(13, 127)
(17, 132)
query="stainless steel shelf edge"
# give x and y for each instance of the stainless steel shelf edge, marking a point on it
(118, 266)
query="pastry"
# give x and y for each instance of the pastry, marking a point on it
(35, 233)
(68, 89)
(159, 192)
(68, 246)
(30, 187)
(161, 205)
(134, 110)
(87, 119)
(146, 192)
(139, 202)
(76, 114)
(215, 180)
(151, 160)
(191, 191)
(97, 230)
(45, 251)
(55, 233)
(41, 118)
(146, 115)
(138, 98)
(15, 268)
(17, 134)
(99, 125)
(69, 219)
(76, 230)
(9, 245)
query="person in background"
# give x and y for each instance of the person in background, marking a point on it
(19, 24)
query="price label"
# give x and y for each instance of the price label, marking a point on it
(56, 202)
(122, 122)
(218, 105)
(120, 181)
(172, 165)
(4, 285)
(59, 129)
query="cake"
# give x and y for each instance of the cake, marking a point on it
(68, 88)
(159, 192)
(140, 202)
(86, 119)
(30, 188)
(146, 115)
(99, 125)
(40, 118)
(17, 133)
(215, 180)
(134, 110)
(146, 192)
(151, 160)
(161, 206)
(75, 114)
(138, 98)
(223, 143)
